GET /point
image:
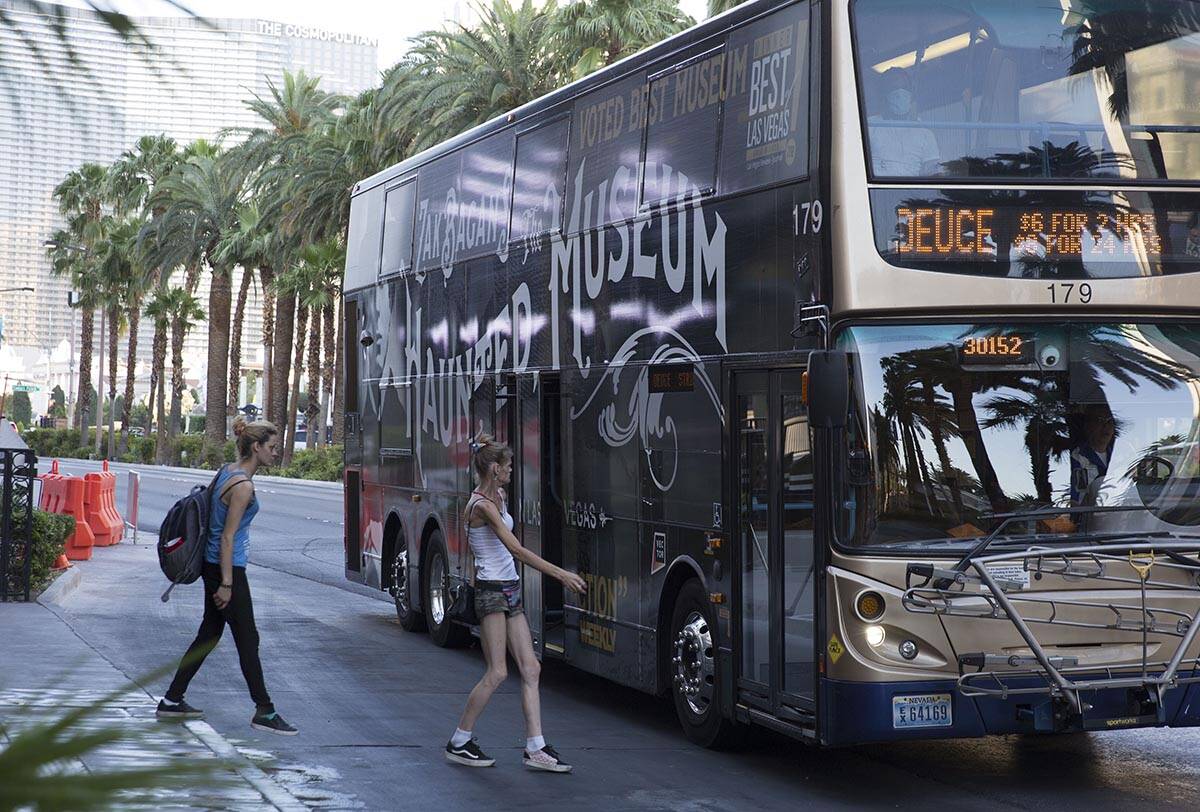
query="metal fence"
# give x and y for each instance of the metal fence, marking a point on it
(18, 473)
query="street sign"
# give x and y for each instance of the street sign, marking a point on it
(25, 387)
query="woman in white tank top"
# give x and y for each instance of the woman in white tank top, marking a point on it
(502, 620)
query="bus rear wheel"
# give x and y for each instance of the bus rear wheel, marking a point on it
(410, 619)
(692, 667)
(445, 632)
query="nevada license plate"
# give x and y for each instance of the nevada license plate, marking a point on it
(923, 710)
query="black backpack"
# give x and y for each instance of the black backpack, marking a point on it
(183, 536)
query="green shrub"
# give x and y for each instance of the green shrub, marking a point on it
(317, 463)
(141, 450)
(50, 532)
(188, 450)
(49, 443)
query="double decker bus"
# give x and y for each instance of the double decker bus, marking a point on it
(849, 351)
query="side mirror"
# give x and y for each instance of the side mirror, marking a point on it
(828, 388)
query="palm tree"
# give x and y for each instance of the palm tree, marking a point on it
(274, 157)
(132, 181)
(297, 284)
(83, 199)
(184, 310)
(603, 31)
(159, 309)
(242, 247)
(716, 7)
(323, 264)
(67, 261)
(200, 201)
(128, 278)
(453, 80)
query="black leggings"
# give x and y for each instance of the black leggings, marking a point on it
(239, 614)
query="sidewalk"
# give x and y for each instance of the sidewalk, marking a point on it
(48, 669)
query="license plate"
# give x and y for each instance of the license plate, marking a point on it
(923, 710)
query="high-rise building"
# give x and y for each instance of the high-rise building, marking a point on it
(60, 109)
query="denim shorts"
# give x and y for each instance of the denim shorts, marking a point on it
(498, 596)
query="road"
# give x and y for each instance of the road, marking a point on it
(375, 704)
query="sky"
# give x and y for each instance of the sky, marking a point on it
(391, 23)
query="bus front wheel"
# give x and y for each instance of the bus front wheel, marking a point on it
(692, 668)
(445, 632)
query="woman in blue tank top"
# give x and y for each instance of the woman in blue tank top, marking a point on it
(501, 616)
(226, 590)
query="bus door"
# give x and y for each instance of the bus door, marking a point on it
(534, 437)
(774, 502)
(352, 438)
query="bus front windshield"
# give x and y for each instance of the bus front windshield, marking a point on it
(953, 423)
(1026, 88)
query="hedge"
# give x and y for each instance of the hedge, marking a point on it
(50, 533)
(188, 451)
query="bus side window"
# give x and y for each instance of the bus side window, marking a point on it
(764, 135)
(484, 194)
(682, 126)
(398, 210)
(606, 146)
(363, 241)
(437, 210)
(538, 190)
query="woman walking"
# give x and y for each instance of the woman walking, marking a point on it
(226, 590)
(501, 615)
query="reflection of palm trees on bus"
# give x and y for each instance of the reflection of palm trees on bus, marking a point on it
(927, 398)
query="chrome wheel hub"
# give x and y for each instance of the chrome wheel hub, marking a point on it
(437, 590)
(693, 662)
(400, 580)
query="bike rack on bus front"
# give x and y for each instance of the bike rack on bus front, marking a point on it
(946, 592)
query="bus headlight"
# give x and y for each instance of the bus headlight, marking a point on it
(875, 636)
(869, 605)
(908, 649)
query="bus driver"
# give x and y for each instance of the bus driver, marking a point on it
(900, 151)
(1091, 456)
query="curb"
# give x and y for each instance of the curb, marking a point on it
(275, 794)
(61, 587)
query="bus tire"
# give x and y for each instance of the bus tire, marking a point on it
(691, 668)
(444, 631)
(410, 619)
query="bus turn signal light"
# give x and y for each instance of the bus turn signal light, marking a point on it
(869, 605)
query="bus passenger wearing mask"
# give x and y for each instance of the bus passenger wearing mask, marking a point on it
(1091, 456)
(901, 151)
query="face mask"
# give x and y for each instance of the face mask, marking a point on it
(899, 101)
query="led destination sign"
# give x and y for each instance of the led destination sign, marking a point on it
(1042, 233)
(673, 377)
(974, 233)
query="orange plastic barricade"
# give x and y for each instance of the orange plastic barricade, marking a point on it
(80, 543)
(101, 506)
(52, 494)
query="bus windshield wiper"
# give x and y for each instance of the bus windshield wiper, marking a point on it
(1023, 515)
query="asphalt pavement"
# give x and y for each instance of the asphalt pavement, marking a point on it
(375, 705)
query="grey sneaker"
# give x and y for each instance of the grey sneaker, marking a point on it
(177, 710)
(272, 723)
(546, 759)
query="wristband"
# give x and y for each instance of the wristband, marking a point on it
(226, 586)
